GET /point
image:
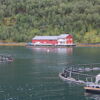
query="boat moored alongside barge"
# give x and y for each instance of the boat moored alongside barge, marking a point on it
(93, 87)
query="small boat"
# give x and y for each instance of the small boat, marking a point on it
(10, 59)
(93, 87)
(6, 58)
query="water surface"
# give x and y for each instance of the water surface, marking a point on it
(34, 73)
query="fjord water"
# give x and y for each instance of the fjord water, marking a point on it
(34, 73)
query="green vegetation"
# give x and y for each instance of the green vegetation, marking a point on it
(20, 20)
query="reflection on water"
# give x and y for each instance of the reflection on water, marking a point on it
(67, 50)
(92, 96)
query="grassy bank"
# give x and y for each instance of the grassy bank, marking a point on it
(87, 45)
(13, 44)
(24, 44)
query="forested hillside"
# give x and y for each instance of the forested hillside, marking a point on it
(20, 20)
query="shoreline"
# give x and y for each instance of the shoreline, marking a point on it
(25, 44)
(13, 44)
(87, 45)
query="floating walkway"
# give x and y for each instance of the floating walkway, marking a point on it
(82, 67)
(76, 77)
(76, 73)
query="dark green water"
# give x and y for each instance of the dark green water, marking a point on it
(34, 73)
